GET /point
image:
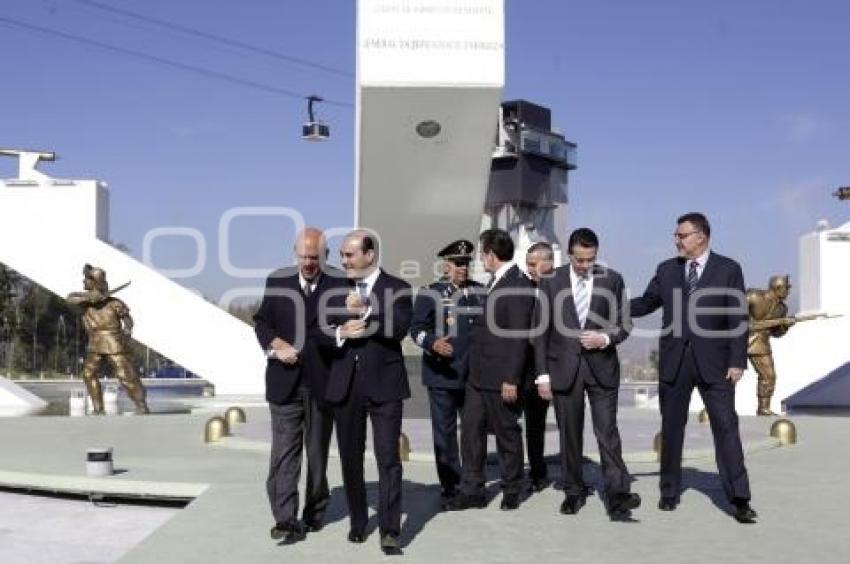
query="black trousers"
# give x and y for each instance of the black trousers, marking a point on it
(719, 400)
(535, 408)
(300, 424)
(483, 408)
(569, 412)
(446, 407)
(350, 419)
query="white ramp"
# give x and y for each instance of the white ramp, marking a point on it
(16, 401)
(50, 228)
(430, 76)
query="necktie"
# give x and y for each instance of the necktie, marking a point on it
(364, 295)
(308, 289)
(491, 283)
(692, 277)
(582, 300)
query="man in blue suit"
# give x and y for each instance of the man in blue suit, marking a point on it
(442, 315)
(703, 345)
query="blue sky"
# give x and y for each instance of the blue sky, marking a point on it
(738, 109)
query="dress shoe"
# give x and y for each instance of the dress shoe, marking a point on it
(537, 485)
(509, 502)
(289, 532)
(667, 503)
(624, 502)
(313, 524)
(572, 504)
(356, 536)
(390, 545)
(464, 501)
(743, 512)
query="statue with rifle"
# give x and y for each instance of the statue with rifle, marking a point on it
(109, 326)
(769, 318)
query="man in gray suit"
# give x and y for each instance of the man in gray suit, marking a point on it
(577, 355)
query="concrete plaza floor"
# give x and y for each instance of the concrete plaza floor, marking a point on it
(799, 492)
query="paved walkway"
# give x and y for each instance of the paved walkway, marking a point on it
(638, 428)
(799, 492)
(38, 529)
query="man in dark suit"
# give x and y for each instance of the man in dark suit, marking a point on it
(296, 374)
(498, 348)
(539, 263)
(442, 315)
(703, 345)
(577, 355)
(368, 378)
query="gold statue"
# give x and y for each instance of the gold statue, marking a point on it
(768, 318)
(109, 325)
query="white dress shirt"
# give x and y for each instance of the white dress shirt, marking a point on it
(370, 283)
(303, 282)
(700, 260)
(499, 274)
(574, 282)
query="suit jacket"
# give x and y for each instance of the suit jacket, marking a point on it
(557, 351)
(280, 315)
(725, 347)
(442, 310)
(378, 357)
(496, 359)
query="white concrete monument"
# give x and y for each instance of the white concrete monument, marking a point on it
(430, 76)
(49, 228)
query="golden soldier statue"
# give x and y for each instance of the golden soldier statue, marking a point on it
(109, 325)
(768, 318)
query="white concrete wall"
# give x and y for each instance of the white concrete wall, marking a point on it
(421, 60)
(47, 233)
(808, 284)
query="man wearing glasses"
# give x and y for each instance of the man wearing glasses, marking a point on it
(704, 345)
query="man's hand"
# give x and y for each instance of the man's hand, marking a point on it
(593, 340)
(544, 390)
(354, 304)
(442, 347)
(352, 329)
(286, 353)
(509, 393)
(734, 374)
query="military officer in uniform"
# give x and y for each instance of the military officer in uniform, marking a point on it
(442, 316)
(767, 307)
